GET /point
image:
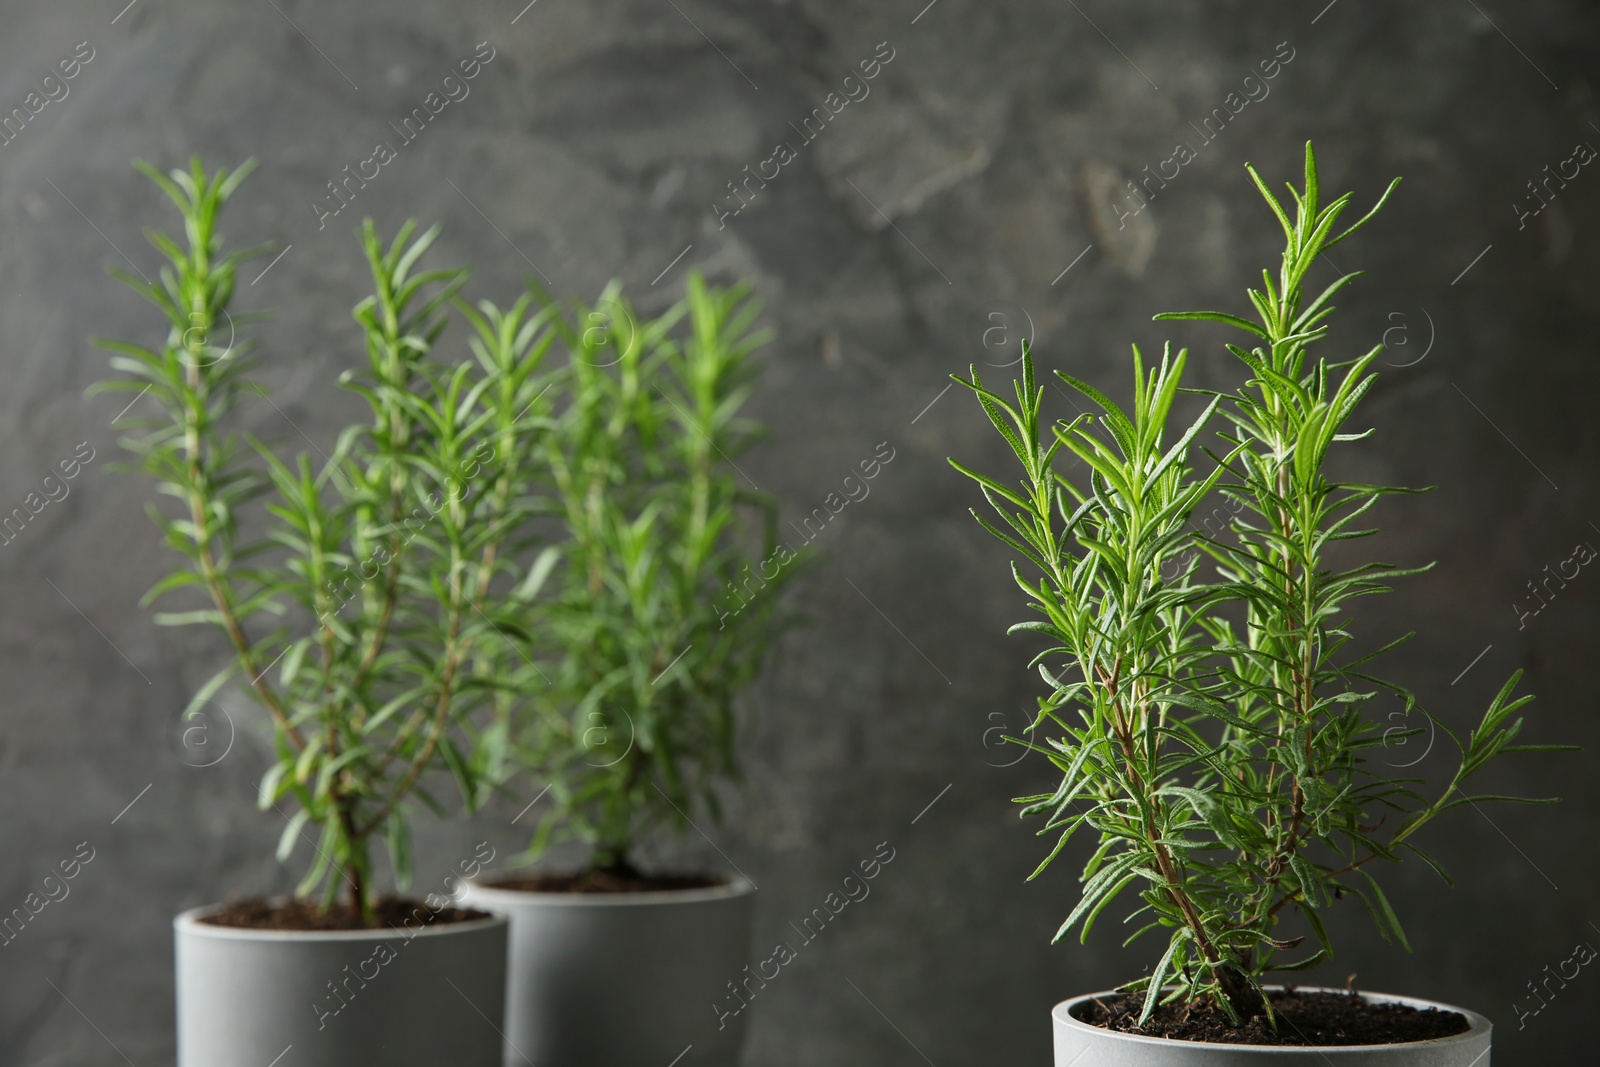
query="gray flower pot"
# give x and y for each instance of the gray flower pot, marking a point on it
(1086, 1045)
(416, 996)
(623, 979)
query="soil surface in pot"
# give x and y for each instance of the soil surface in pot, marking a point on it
(260, 913)
(610, 880)
(1304, 1018)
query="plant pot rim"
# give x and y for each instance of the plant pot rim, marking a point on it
(1480, 1026)
(188, 922)
(489, 893)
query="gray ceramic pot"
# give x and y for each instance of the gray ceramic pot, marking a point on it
(416, 996)
(623, 979)
(1085, 1045)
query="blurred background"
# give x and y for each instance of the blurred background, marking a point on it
(1013, 170)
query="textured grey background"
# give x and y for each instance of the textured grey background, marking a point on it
(594, 145)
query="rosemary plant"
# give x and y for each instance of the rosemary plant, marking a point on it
(1213, 730)
(662, 613)
(361, 603)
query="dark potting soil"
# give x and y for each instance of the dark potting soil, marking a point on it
(609, 881)
(1304, 1018)
(260, 913)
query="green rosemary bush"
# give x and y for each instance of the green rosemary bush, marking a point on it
(661, 611)
(375, 601)
(1212, 731)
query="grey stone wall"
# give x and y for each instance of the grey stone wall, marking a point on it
(976, 194)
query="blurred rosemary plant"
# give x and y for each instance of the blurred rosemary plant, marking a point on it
(377, 600)
(1212, 731)
(658, 523)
